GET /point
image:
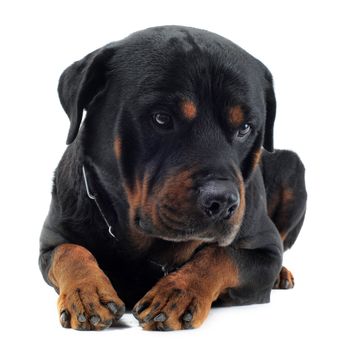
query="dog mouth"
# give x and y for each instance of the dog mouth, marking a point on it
(170, 229)
(176, 225)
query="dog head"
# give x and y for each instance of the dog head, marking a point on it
(178, 116)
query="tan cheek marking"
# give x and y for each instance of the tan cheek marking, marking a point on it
(236, 116)
(176, 188)
(189, 109)
(136, 199)
(137, 196)
(149, 203)
(256, 158)
(118, 147)
(173, 192)
(238, 215)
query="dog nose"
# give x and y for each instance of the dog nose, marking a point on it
(218, 199)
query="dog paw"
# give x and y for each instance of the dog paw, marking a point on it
(90, 304)
(174, 303)
(285, 279)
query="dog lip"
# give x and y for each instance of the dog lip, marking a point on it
(167, 226)
(176, 226)
(169, 233)
(144, 227)
(169, 223)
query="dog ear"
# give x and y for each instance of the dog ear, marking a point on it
(270, 102)
(80, 83)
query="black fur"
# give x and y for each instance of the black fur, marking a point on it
(121, 86)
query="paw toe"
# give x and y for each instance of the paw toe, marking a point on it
(83, 309)
(285, 280)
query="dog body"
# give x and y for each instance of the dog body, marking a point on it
(165, 197)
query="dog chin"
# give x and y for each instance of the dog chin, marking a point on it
(186, 238)
(226, 240)
(223, 240)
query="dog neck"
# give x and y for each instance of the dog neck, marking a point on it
(164, 255)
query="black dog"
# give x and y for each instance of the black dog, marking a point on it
(165, 197)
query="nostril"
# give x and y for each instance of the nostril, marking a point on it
(229, 212)
(213, 209)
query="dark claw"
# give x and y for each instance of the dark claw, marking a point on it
(163, 327)
(64, 317)
(148, 318)
(284, 284)
(115, 309)
(94, 320)
(141, 308)
(187, 325)
(160, 318)
(108, 323)
(187, 317)
(81, 318)
(160, 327)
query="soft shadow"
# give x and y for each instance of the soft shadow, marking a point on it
(120, 324)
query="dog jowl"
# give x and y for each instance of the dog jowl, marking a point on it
(170, 196)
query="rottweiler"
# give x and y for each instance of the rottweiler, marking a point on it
(170, 197)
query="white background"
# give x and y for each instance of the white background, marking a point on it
(306, 46)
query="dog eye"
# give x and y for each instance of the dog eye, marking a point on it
(163, 121)
(243, 132)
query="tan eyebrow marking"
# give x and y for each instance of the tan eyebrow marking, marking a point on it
(189, 109)
(236, 116)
